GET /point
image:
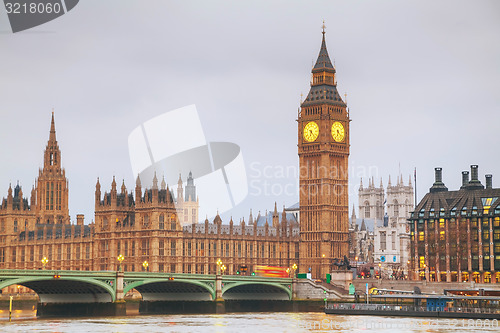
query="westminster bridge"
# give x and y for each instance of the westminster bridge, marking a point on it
(102, 292)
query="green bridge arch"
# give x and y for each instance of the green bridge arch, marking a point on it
(25, 279)
(134, 284)
(229, 286)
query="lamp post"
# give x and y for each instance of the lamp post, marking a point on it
(219, 263)
(120, 259)
(223, 269)
(294, 267)
(145, 265)
(44, 261)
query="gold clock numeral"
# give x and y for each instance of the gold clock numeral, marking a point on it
(311, 131)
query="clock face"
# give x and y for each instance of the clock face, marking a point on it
(338, 132)
(311, 131)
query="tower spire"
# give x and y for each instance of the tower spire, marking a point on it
(52, 135)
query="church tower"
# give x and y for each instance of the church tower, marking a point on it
(323, 148)
(52, 185)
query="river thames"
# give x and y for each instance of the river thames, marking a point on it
(26, 321)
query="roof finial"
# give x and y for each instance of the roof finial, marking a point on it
(324, 27)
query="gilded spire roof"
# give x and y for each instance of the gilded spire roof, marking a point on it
(323, 62)
(323, 86)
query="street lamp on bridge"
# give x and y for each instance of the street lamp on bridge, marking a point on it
(145, 265)
(219, 263)
(44, 261)
(223, 269)
(294, 267)
(120, 259)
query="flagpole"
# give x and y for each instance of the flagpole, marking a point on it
(415, 175)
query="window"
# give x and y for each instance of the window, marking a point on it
(87, 251)
(161, 249)
(68, 252)
(442, 235)
(367, 210)
(78, 252)
(145, 221)
(172, 248)
(441, 223)
(173, 222)
(162, 222)
(15, 225)
(421, 236)
(383, 245)
(396, 208)
(145, 247)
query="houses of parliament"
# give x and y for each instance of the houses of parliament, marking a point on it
(157, 230)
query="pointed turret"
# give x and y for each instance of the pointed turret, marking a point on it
(361, 184)
(190, 188)
(324, 85)
(353, 215)
(381, 184)
(124, 188)
(138, 190)
(180, 190)
(9, 195)
(250, 219)
(52, 135)
(155, 182)
(363, 225)
(97, 192)
(163, 184)
(389, 183)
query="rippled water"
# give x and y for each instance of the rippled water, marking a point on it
(26, 321)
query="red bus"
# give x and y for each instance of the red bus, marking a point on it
(271, 271)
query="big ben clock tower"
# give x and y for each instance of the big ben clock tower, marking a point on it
(323, 146)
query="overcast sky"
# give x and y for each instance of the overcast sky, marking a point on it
(421, 77)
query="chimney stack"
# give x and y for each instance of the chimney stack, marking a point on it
(465, 178)
(438, 185)
(474, 183)
(79, 219)
(473, 174)
(489, 182)
(438, 175)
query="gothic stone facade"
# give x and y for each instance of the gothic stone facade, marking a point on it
(143, 226)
